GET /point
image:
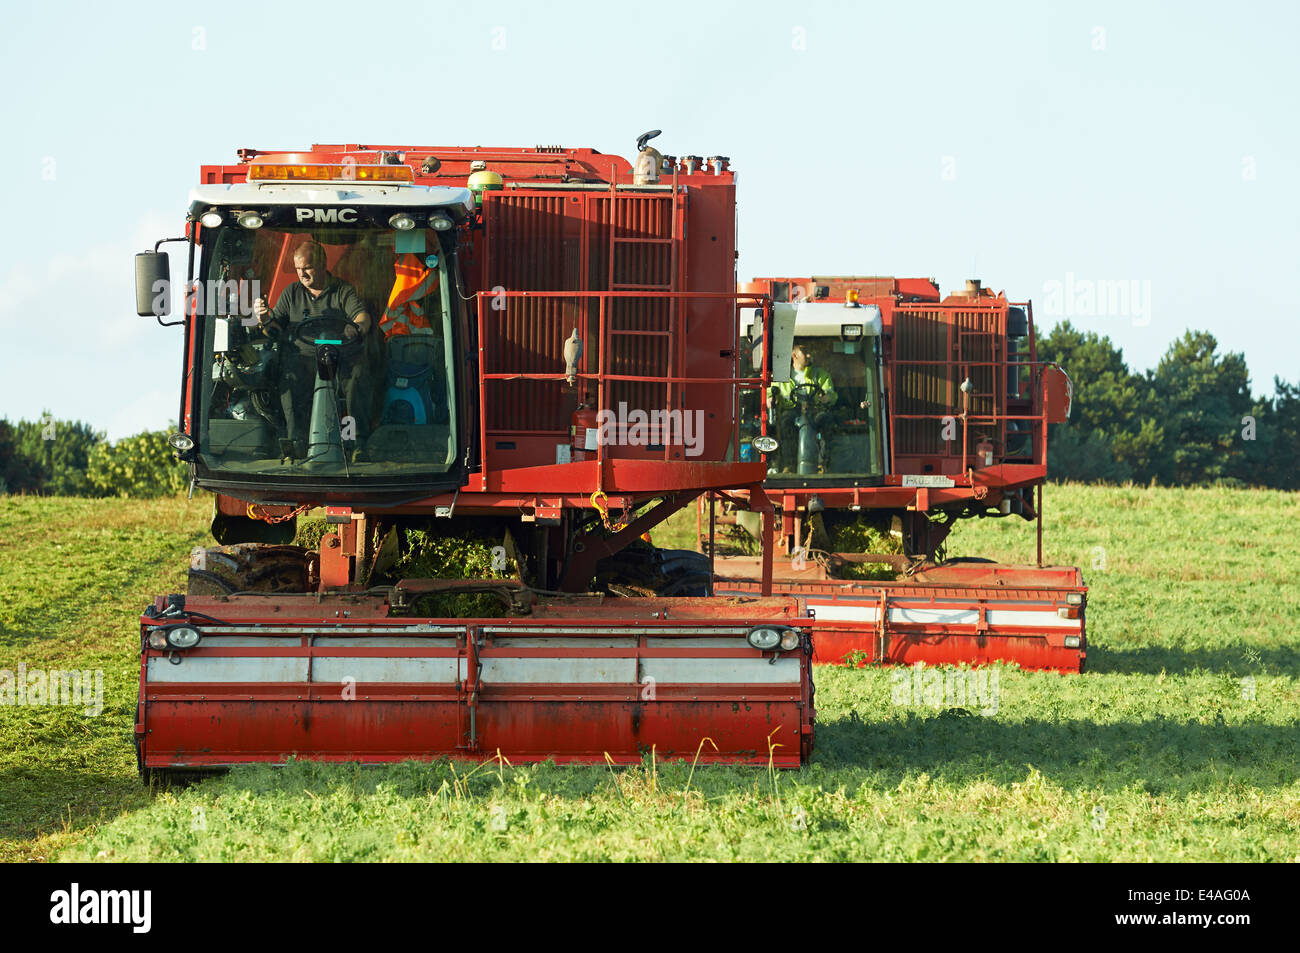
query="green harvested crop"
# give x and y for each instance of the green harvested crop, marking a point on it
(311, 531)
(863, 534)
(429, 555)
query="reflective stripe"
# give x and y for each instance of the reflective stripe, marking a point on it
(379, 642)
(559, 670)
(336, 630)
(498, 666)
(693, 671)
(623, 630)
(503, 642)
(248, 641)
(732, 643)
(411, 280)
(440, 670)
(198, 669)
(861, 612)
(447, 671)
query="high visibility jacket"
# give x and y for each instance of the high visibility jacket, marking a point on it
(411, 282)
(809, 375)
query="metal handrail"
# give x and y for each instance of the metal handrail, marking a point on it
(602, 376)
(1039, 416)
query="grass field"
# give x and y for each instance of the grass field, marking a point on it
(1181, 742)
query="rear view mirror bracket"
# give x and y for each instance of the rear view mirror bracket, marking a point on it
(151, 268)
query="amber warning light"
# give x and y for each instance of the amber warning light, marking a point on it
(344, 172)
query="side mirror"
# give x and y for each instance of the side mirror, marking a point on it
(783, 321)
(152, 284)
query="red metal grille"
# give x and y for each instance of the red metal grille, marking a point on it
(642, 255)
(923, 383)
(935, 350)
(534, 247)
(587, 242)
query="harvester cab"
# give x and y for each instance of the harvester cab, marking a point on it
(330, 363)
(828, 414)
(495, 371)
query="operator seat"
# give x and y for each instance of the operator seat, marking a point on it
(410, 397)
(414, 420)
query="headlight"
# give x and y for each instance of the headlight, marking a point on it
(212, 219)
(175, 637)
(402, 222)
(1074, 598)
(441, 223)
(181, 442)
(1073, 641)
(769, 638)
(250, 220)
(765, 444)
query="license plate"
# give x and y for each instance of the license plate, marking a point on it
(927, 479)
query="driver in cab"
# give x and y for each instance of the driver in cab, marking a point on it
(317, 294)
(804, 372)
(809, 382)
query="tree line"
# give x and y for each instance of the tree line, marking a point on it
(71, 458)
(1190, 421)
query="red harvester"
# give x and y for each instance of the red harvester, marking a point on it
(915, 411)
(549, 366)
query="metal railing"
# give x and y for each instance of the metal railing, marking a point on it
(595, 367)
(988, 370)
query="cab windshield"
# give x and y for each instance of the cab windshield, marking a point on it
(829, 416)
(327, 353)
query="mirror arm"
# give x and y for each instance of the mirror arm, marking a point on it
(156, 245)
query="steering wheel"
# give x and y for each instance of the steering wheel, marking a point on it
(805, 391)
(315, 331)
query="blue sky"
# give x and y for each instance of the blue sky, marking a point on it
(1035, 146)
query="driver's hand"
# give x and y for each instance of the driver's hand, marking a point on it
(351, 332)
(260, 310)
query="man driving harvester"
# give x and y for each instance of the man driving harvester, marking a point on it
(806, 382)
(317, 294)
